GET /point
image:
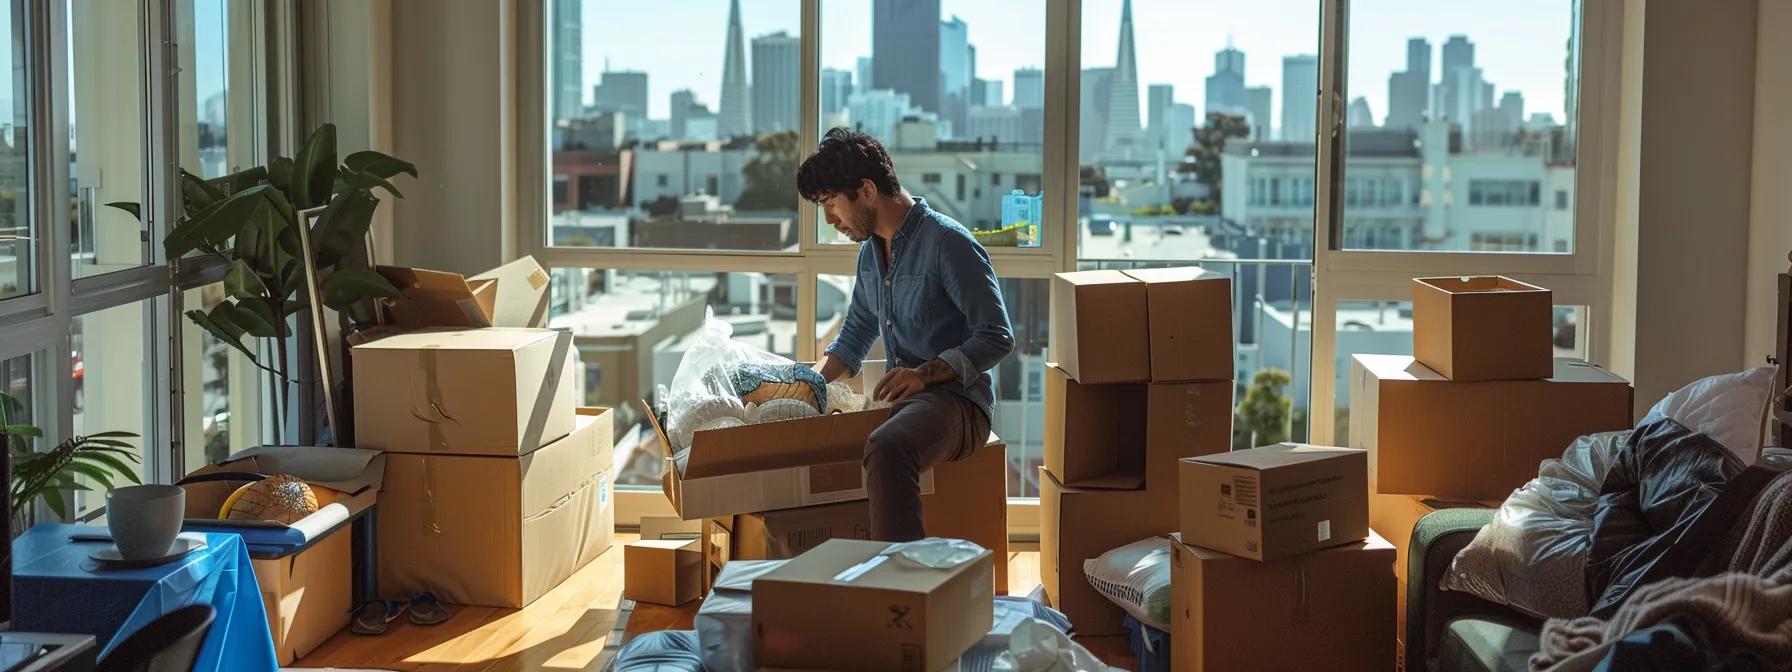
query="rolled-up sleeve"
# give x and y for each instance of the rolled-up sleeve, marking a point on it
(857, 332)
(970, 281)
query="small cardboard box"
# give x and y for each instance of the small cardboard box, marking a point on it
(498, 531)
(1231, 613)
(519, 292)
(1483, 328)
(1077, 524)
(503, 392)
(667, 527)
(1099, 330)
(884, 612)
(308, 594)
(1276, 501)
(1428, 435)
(666, 572)
(1094, 434)
(437, 299)
(1184, 420)
(1190, 313)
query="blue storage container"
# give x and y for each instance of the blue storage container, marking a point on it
(1150, 645)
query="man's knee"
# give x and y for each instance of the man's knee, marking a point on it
(887, 447)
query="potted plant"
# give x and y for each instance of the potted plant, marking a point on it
(251, 219)
(101, 457)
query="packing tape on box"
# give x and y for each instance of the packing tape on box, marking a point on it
(432, 397)
(429, 497)
(1303, 608)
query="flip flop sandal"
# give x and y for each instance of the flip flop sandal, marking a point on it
(427, 610)
(374, 615)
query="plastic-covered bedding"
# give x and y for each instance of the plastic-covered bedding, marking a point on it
(721, 381)
(664, 651)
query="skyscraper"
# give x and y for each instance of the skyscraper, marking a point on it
(836, 87)
(987, 93)
(876, 112)
(1225, 87)
(622, 91)
(1258, 101)
(735, 115)
(1360, 116)
(1409, 92)
(862, 74)
(905, 50)
(1124, 134)
(682, 102)
(569, 59)
(1159, 98)
(1029, 88)
(1093, 125)
(1182, 120)
(955, 70)
(1461, 90)
(1300, 97)
(777, 82)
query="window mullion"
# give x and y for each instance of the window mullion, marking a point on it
(1322, 341)
(809, 116)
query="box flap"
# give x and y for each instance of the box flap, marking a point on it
(1476, 284)
(1569, 370)
(521, 288)
(806, 442)
(1181, 274)
(1081, 278)
(462, 339)
(1270, 457)
(349, 470)
(432, 299)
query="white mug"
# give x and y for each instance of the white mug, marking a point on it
(145, 519)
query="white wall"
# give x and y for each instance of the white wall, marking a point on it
(1770, 214)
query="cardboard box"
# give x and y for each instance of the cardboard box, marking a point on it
(666, 572)
(1232, 613)
(1393, 518)
(1077, 524)
(1483, 328)
(464, 392)
(883, 612)
(1428, 435)
(781, 535)
(519, 292)
(308, 596)
(1190, 314)
(1184, 420)
(1099, 330)
(437, 299)
(1094, 434)
(666, 527)
(1276, 501)
(498, 531)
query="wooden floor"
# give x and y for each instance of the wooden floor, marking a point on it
(569, 629)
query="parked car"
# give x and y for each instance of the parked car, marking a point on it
(1101, 227)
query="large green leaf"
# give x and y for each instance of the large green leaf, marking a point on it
(99, 475)
(342, 227)
(216, 225)
(116, 465)
(257, 318)
(27, 431)
(53, 498)
(314, 169)
(133, 208)
(242, 282)
(219, 325)
(114, 435)
(368, 181)
(292, 275)
(280, 174)
(379, 165)
(346, 286)
(238, 181)
(198, 193)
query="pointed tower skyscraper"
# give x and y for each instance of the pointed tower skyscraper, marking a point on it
(1124, 132)
(736, 114)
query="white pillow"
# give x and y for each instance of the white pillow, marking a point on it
(1136, 577)
(1727, 408)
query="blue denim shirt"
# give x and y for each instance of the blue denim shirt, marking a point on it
(938, 298)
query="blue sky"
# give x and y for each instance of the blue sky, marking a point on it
(1520, 44)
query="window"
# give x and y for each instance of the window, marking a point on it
(1561, 199)
(223, 389)
(17, 230)
(105, 135)
(110, 384)
(15, 382)
(1519, 193)
(930, 178)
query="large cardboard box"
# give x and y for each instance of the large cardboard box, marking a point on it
(1094, 434)
(781, 535)
(307, 595)
(1330, 609)
(1099, 330)
(1190, 313)
(1428, 435)
(519, 292)
(1184, 420)
(666, 572)
(884, 612)
(1077, 524)
(464, 391)
(1393, 518)
(498, 531)
(1483, 328)
(1275, 501)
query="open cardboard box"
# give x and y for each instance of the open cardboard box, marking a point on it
(775, 465)
(512, 295)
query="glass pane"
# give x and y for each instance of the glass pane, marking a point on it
(109, 367)
(15, 382)
(1385, 328)
(222, 417)
(105, 134)
(970, 139)
(1019, 379)
(1475, 153)
(687, 148)
(16, 227)
(210, 32)
(1160, 182)
(631, 329)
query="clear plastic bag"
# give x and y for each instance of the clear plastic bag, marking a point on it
(936, 553)
(707, 385)
(1035, 646)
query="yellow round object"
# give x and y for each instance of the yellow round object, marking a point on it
(230, 502)
(279, 498)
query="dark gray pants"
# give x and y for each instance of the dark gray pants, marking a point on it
(929, 428)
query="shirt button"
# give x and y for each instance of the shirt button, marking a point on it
(888, 323)
(886, 283)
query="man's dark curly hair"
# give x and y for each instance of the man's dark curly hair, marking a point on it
(839, 165)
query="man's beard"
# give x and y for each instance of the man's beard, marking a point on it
(859, 228)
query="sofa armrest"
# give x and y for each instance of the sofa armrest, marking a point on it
(1436, 540)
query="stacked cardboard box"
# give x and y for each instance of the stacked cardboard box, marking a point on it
(497, 484)
(1275, 563)
(1144, 378)
(1482, 402)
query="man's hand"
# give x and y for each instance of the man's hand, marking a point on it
(899, 383)
(830, 368)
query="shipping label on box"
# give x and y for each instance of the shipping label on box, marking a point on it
(1275, 501)
(1190, 313)
(1099, 330)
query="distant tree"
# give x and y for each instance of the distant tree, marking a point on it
(662, 206)
(1203, 157)
(1264, 415)
(771, 174)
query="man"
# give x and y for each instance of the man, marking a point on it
(927, 287)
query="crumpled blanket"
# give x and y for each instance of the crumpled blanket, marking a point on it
(1745, 608)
